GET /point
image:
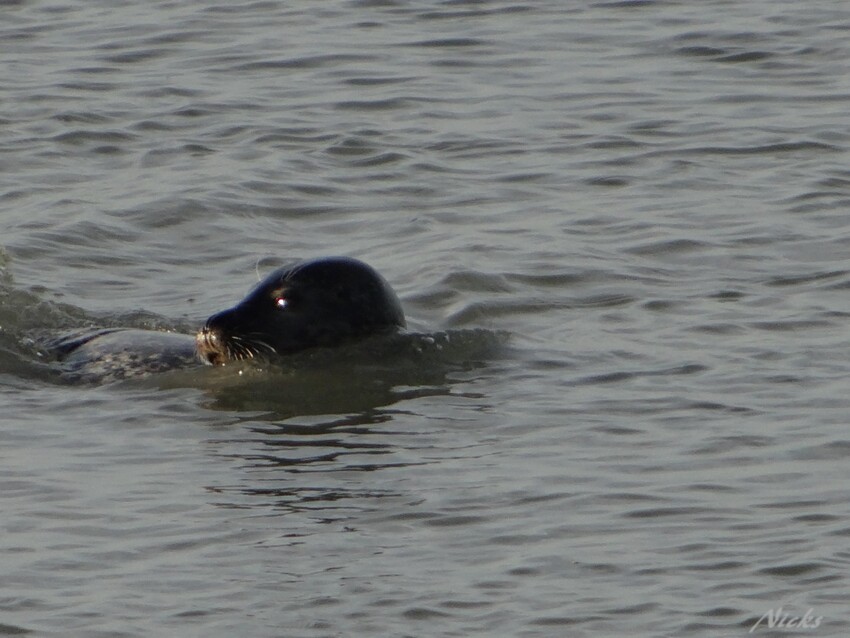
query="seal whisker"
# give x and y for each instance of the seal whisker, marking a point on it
(257, 344)
(244, 350)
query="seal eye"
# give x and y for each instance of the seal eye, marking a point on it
(281, 302)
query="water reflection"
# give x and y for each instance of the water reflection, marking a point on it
(316, 437)
(314, 467)
(349, 380)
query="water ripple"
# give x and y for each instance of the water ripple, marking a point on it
(649, 197)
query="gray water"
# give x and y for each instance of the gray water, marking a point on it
(651, 198)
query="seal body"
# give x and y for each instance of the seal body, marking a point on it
(105, 356)
(319, 303)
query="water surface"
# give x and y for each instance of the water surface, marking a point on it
(650, 197)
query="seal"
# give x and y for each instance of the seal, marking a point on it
(323, 302)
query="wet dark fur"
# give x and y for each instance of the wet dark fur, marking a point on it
(318, 303)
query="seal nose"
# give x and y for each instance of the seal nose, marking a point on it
(212, 341)
(209, 346)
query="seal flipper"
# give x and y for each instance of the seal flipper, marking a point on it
(65, 344)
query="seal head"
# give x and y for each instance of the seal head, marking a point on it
(318, 303)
